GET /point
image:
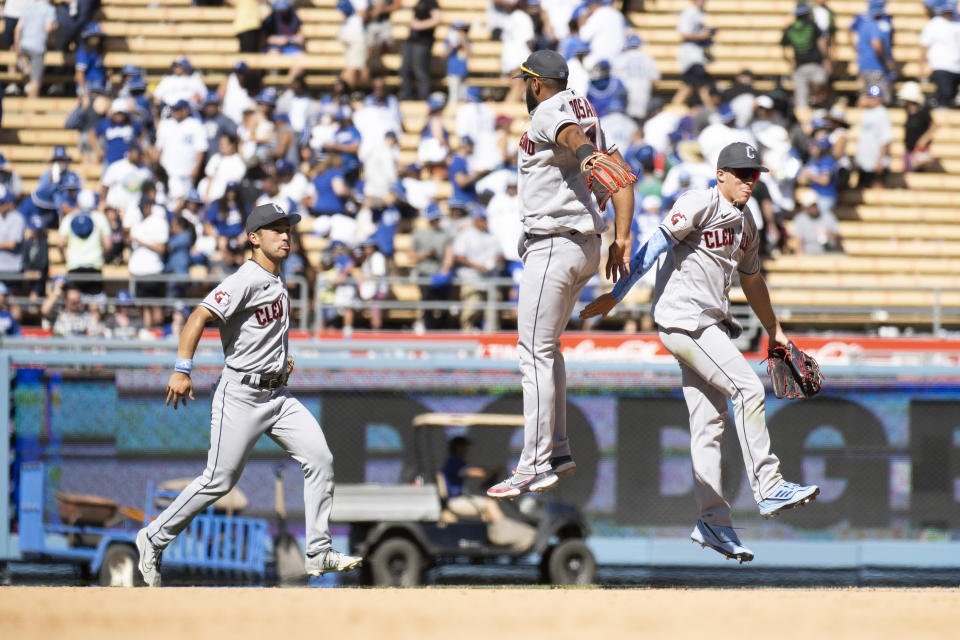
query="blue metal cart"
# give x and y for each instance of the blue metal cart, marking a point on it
(213, 542)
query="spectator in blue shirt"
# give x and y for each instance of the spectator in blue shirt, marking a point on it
(820, 173)
(874, 36)
(346, 142)
(89, 61)
(66, 195)
(215, 122)
(8, 324)
(117, 133)
(282, 29)
(463, 181)
(606, 92)
(330, 185)
(457, 47)
(182, 237)
(226, 216)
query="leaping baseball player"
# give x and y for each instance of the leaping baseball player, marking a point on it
(706, 235)
(250, 398)
(564, 162)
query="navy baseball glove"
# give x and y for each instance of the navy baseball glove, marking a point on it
(794, 373)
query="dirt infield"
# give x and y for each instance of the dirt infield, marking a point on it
(609, 614)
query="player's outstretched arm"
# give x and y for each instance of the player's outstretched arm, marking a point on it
(641, 262)
(180, 386)
(755, 289)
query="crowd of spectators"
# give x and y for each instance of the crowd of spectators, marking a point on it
(182, 165)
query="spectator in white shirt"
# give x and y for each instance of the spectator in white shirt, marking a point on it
(181, 84)
(234, 93)
(637, 71)
(940, 48)
(148, 242)
(604, 30)
(578, 78)
(476, 252)
(223, 167)
(503, 217)
(181, 145)
(120, 183)
(518, 36)
(380, 168)
(294, 186)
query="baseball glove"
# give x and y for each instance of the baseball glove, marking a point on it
(794, 373)
(289, 370)
(605, 175)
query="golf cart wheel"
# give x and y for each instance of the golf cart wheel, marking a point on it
(119, 567)
(571, 562)
(397, 562)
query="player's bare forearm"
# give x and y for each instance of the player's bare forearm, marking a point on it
(758, 296)
(572, 137)
(192, 331)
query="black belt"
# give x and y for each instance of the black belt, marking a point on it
(267, 380)
(560, 234)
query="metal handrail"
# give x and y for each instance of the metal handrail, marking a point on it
(302, 301)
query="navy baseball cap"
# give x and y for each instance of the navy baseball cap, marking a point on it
(124, 299)
(181, 104)
(544, 64)
(212, 98)
(802, 10)
(184, 62)
(740, 155)
(874, 91)
(268, 213)
(60, 153)
(82, 225)
(130, 70)
(136, 84)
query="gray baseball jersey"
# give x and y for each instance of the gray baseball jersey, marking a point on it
(254, 312)
(691, 306)
(560, 214)
(553, 193)
(712, 238)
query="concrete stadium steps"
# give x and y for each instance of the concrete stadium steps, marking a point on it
(893, 214)
(891, 280)
(885, 266)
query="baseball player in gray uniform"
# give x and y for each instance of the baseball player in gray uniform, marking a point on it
(562, 164)
(250, 398)
(706, 235)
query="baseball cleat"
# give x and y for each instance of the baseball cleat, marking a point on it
(150, 559)
(563, 465)
(721, 539)
(330, 561)
(520, 483)
(788, 495)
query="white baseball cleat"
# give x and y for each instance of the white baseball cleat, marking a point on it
(788, 495)
(330, 561)
(150, 559)
(721, 539)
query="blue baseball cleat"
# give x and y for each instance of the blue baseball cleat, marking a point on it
(721, 539)
(788, 495)
(520, 483)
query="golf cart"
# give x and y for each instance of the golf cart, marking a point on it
(403, 530)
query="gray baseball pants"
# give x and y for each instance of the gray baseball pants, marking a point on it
(555, 271)
(239, 415)
(712, 371)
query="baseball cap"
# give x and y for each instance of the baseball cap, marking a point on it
(576, 45)
(808, 198)
(725, 113)
(91, 30)
(652, 202)
(124, 299)
(740, 155)
(634, 41)
(477, 211)
(454, 202)
(874, 91)
(459, 24)
(60, 153)
(911, 92)
(267, 96)
(193, 196)
(120, 105)
(86, 200)
(184, 62)
(268, 213)
(764, 102)
(82, 225)
(437, 100)
(211, 98)
(281, 5)
(130, 70)
(802, 10)
(283, 166)
(544, 63)
(36, 222)
(181, 104)
(69, 182)
(432, 212)
(137, 84)
(473, 93)
(240, 66)
(466, 140)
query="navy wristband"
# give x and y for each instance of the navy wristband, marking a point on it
(183, 365)
(584, 151)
